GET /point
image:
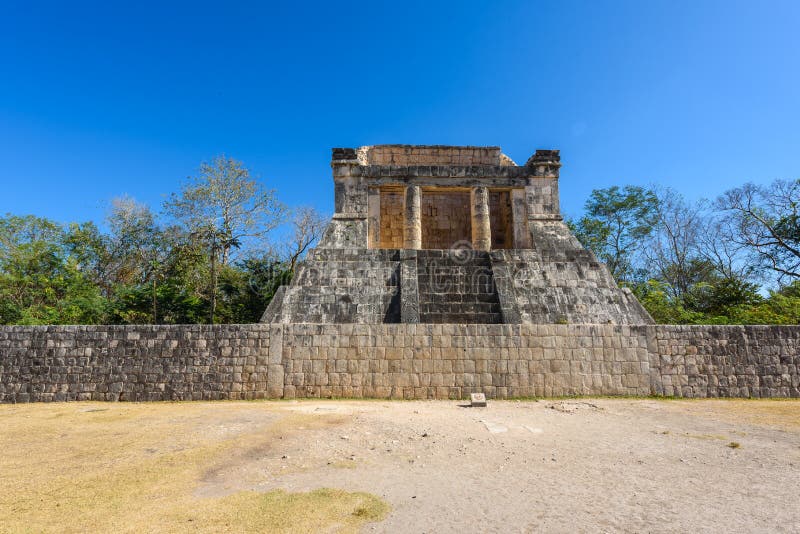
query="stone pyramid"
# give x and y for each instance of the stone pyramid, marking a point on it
(449, 234)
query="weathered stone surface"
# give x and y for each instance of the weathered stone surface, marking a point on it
(136, 363)
(725, 361)
(456, 288)
(481, 229)
(342, 286)
(429, 155)
(412, 227)
(57, 363)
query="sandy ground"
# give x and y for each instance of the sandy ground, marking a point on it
(589, 465)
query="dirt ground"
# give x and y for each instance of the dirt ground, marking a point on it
(583, 465)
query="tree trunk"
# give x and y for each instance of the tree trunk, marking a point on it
(213, 282)
(226, 250)
(155, 302)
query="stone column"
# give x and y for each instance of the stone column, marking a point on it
(412, 224)
(374, 218)
(481, 227)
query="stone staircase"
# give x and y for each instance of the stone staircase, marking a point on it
(457, 287)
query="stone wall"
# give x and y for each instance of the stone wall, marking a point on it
(341, 286)
(726, 361)
(451, 361)
(559, 282)
(391, 219)
(445, 219)
(429, 155)
(140, 363)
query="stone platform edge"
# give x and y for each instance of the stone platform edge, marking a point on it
(404, 361)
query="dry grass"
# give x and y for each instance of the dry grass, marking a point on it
(133, 467)
(772, 413)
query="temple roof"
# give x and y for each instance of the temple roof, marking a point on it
(446, 155)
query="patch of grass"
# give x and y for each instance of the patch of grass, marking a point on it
(279, 511)
(734, 445)
(372, 512)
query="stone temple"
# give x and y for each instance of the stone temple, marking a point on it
(450, 234)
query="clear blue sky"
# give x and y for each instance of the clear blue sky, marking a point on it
(100, 100)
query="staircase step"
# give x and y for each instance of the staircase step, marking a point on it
(457, 290)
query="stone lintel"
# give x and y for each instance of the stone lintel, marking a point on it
(451, 171)
(440, 181)
(348, 217)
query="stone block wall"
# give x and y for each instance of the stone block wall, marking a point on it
(557, 282)
(139, 363)
(428, 155)
(445, 219)
(360, 174)
(144, 363)
(451, 361)
(726, 361)
(341, 286)
(542, 199)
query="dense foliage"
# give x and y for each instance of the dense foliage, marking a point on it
(732, 261)
(207, 258)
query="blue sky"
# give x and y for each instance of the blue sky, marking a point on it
(100, 100)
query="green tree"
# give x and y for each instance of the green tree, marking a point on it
(661, 306)
(137, 249)
(615, 225)
(247, 289)
(41, 280)
(180, 291)
(724, 298)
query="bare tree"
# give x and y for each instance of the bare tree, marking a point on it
(673, 251)
(307, 227)
(730, 259)
(764, 220)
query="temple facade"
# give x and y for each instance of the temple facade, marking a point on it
(449, 234)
